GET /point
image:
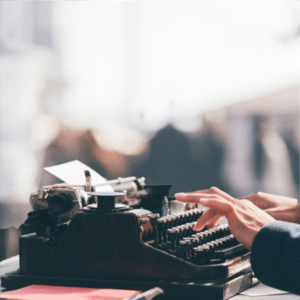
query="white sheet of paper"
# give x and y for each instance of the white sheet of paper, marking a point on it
(73, 173)
(262, 290)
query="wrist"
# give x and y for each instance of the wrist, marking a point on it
(296, 213)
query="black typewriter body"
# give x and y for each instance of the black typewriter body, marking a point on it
(111, 245)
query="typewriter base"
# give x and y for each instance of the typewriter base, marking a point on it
(176, 289)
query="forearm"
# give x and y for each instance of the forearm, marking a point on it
(291, 214)
(275, 256)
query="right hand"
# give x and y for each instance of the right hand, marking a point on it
(269, 201)
(279, 207)
(244, 218)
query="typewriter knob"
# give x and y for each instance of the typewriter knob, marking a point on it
(106, 202)
(59, 203)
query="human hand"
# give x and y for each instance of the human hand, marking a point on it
(244, 218)
(269, 201)
(279, 207)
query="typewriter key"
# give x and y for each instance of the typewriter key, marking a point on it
(184, 249)
(189, 229)
(185, 231)
(153, 219)
(173, 237)
(180, 228)
(160, 229)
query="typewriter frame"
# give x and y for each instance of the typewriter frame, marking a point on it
(105, 250)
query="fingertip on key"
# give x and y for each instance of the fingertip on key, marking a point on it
(180, 196)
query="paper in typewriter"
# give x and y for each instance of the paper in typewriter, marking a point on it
(73, 173)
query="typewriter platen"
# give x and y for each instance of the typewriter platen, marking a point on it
(127, 239)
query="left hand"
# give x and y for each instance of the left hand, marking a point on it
(244, 218)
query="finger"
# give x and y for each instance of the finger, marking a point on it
(193, 198)
(215, 190)
(214, 221)
(204, 219)
(220, 205)
(182, 197)
(217, 208)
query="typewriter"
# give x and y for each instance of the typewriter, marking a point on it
(127, 239)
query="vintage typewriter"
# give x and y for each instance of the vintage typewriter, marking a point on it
(128, 239)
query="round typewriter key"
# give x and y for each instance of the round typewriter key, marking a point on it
(232, 240)
(188, 239)
(185, 216)
(184, 242)
(185, 248)
(175, 219)
(194, 243)
(153, 219)
(199, 213)
(201, 236)
(189, 214)
(214, 232)
(211, 246)
(160, 228)
(227, 241)
(180, 228)
(185, 230)
(173, 234)
(192, 214)
(220, 229)
(180, 218)
(199, 254)
(172, 220)
(217, 232)
(223, 242)
(206, 252)
(173, 237)
(190, 228)
(226, 229)
(162, 220)
(209, 235)
(221, 245)
(168, 221)
(218, 244)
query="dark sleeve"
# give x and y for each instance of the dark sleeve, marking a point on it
(275, 256)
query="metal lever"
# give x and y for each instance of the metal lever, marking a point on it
(148, 295)
(88, 181)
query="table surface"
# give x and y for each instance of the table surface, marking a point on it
(257, 292)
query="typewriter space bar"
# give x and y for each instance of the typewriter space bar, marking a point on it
(219, 254)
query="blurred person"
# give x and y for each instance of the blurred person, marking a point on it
(257, 149)
(266, 224)
(171, 149)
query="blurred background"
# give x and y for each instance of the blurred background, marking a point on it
(194, 94)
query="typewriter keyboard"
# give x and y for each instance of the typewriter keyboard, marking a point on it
(174, 234)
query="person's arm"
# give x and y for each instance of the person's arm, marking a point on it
(279, 207)
(275, 255)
